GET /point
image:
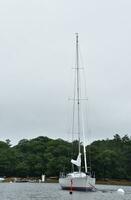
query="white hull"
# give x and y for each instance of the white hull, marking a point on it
(79, 183)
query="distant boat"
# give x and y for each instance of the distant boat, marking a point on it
(78, 180)
(2, 179)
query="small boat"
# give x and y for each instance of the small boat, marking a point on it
(2, 179)
(78, 180)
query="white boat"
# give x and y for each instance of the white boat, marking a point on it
(2, 179)
(78, 180)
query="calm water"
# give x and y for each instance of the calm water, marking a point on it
(27, 191)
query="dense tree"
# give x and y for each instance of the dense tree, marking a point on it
(110, 158)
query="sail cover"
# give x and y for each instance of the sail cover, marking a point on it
(78, 161)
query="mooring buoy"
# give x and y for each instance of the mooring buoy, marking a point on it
(120, 191)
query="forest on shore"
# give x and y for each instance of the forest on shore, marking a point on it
(109, 159)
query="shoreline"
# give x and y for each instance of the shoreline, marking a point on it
(113, 182)
(123, 182)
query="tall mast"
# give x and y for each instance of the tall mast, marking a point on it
(78, 90)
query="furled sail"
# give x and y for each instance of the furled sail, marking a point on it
(78, 161)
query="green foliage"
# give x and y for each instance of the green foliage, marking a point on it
(112, 158)
(108, 158)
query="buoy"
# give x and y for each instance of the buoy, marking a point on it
(120, 191)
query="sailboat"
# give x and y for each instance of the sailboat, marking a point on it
(78, 180)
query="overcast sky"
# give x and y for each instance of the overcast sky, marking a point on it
(37, 51)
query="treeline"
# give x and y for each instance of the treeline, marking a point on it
(110, 158)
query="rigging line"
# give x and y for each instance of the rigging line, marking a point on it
(74, 97)
(73, 118)
(73, 114)
(86, 106)
(78, 90)
(81, 58)
(82, 114)
(87, 118)
(84, 146)
(83, 71)
(85, 88)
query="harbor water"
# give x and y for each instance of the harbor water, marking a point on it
(52, 191)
